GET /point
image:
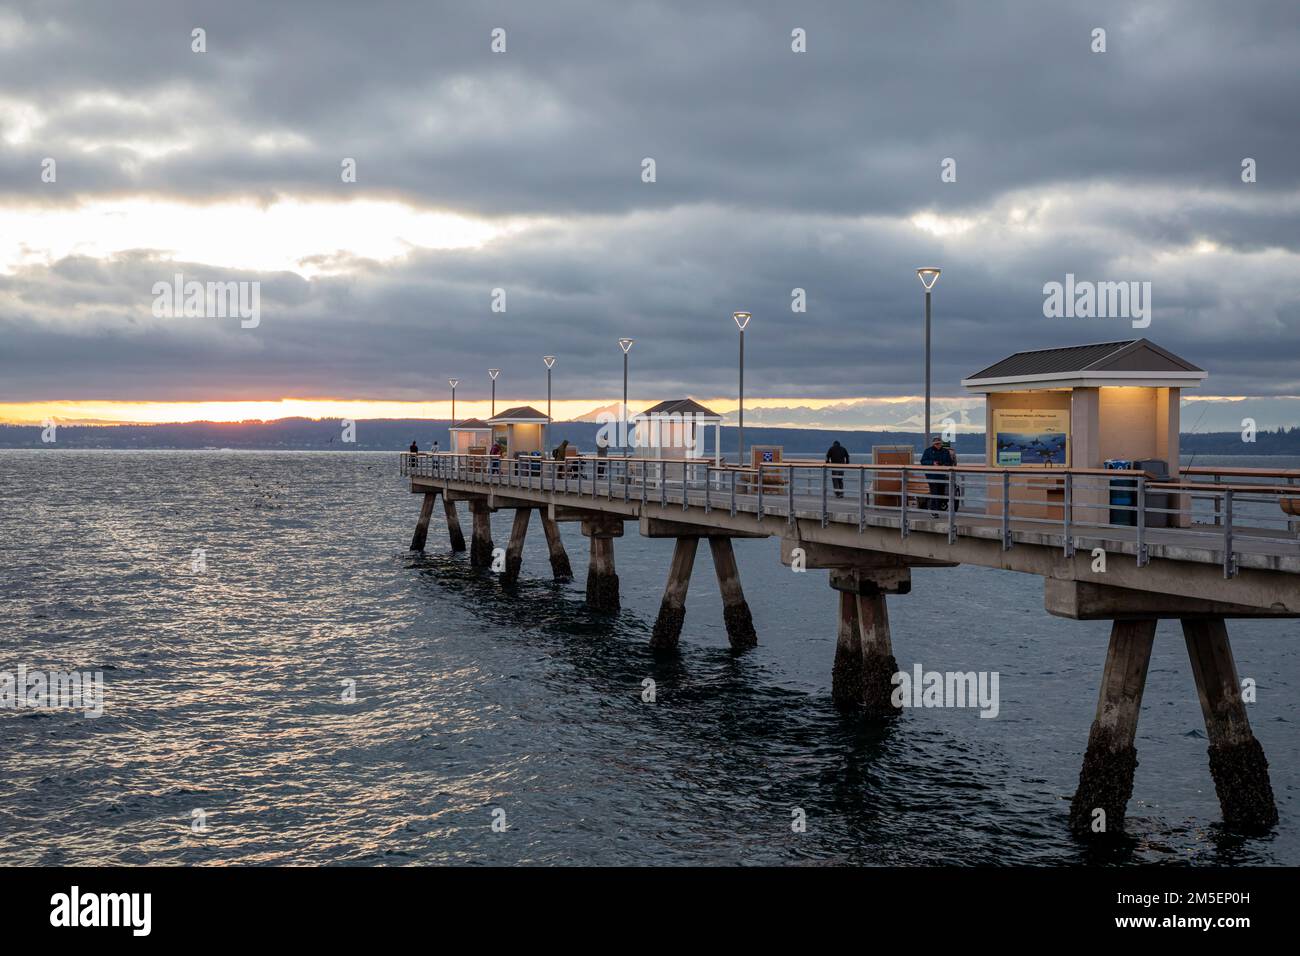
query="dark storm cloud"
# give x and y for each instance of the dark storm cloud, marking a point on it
(775, 170)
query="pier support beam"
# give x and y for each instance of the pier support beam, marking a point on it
(453, 524)
(862, 677)
(602, 581)
(1106, 780)
(515, 549)
(672, 610)
(422, 526)
(480, 550)
(561, 570)
(1237, 761)
(735, 610)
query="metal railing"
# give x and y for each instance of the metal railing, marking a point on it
(1232, 517)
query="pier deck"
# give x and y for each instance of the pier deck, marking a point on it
(1114, 545)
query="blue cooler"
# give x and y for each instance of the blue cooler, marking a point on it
(1123, 494)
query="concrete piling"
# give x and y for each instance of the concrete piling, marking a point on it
(846, 674)
(735, 610)
(480, 551)
(602, 581)
(862, 676)
(515, 548)
(1106, 779)
(1237, 761)
(561, 570)
(672, 609)
(422, 526)
(453, 524)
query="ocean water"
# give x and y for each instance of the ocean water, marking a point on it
(224, 695)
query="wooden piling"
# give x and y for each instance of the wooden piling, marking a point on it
(602, 581)
(1106, 779)
(672, 609)
(1237, 761)
(561, 570)
(735, 611)
(453, 524)
(422, 526)
(515, 548)
(480, 549)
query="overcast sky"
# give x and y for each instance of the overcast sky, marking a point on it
(522, 170)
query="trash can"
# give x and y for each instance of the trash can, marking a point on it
(1123, 494)
(1156, 470)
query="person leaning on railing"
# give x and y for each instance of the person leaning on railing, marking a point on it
(937, 454)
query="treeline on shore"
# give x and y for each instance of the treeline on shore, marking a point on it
(303, 434)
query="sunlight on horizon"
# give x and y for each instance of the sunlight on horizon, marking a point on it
(287, 234)
(93, 412)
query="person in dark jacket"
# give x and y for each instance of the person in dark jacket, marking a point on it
(837, 454)
(936, 454)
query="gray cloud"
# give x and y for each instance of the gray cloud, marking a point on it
(775, 170)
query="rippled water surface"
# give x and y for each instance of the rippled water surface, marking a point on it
(224, 694)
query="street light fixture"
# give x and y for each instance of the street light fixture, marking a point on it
(453, 382)
(549, 362)
(626, 346)
(742, 320)
(928, 275)
(492, 374)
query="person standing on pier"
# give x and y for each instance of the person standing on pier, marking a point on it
(936, 454)
(837, 454)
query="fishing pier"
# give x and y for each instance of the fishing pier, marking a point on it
(1201, 545)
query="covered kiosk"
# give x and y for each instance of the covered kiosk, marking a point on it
(1081, 406)
(676, 430)
(472, 433)
(518, 431)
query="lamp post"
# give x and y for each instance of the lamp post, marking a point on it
(453, 382)
(549, 361)
(928, 275)
(742, 320)
(626, 346)
(492, 374)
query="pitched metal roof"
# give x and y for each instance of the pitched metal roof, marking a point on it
(680, 406)
(520, 413)
(470, 423)
(1132, 355)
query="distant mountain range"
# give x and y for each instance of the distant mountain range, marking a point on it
(874, 414)
(305, 434)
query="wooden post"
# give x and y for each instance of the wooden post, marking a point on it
(515, 549)
(560, 568)
(1106, 779)
(422, 526)
(453, 524)
(480, 550)
(602, 581)
(672, 610)
(735, 612)
(1237, 761)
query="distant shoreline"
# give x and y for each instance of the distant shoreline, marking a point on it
(393, 435)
